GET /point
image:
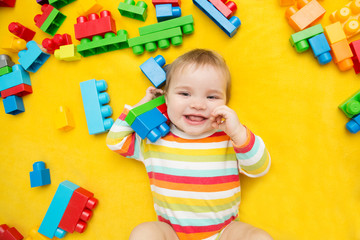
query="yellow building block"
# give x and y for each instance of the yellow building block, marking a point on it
(67, 53)
(348, 16)
(334, 33)
(15, 44)
(34, 235)
(89, 6)
(64, 119)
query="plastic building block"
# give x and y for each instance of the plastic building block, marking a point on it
(94, 100)
(35, 235)
(163, 109)
(93, 25)
(152, 68)
(306, 13)
(137, 111)
(355, 49)
(78, 211)
(16, 77)
(51, 19)
(230, 27)
(166, 12)
(5, 60)
(130, 10)
(64, 119)
(18, 90)
(7, 233)
(227, 9)
(60, 3)
(39, 19)
(186, 23)
(284, 3)
(151, 125)
(61, 199)
(351, 106)
(99, 45)
(321, 48)
(174, 3)
(5, 70)
(348, 17)
(67, 53)
(89, 6)
(15, 44)
(40, 175)
(13, 105)
(32, 58)
(7, 3)
(354, 124)
(334, 33)
(42, 2)
(299, 39)
(20, 31)
(161, 37)
(58, 40)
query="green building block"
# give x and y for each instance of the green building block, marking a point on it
(351, 106)
(60, 3)
(299, 39)
(5, 70)
(98, 45)
(130, 10)
(186, 23)
(53, 22)
(162, 38)
(135, 112)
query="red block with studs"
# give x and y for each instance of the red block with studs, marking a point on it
(21, 31)
(58, 40)
(7, 233)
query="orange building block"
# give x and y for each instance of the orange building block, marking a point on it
(284, 3)
(348, 16)
(306, 13)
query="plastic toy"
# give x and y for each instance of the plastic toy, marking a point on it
(5, 70)
(89, 6)
(13, 105)
(35, 235)
(130, 10)
(340, 48)
(18, 90)
(174, 3)
(32, 58)
(354, 124)
(166, 12)
(284, 3)
(152, 68)
(50, 20)
(186, 23)
(40, 175)
(64, 119)
(230, 27)
(94, 100)
(351, 106)
(299, 39)
(15, 44)
(58, 40)
(60, 3)
(67, 53)
(149, 41)
(20, 31)
(5, 60)
(99, 45)
(7, 3)
(42, 2)
(93, 25)
(355, 49)
(7, 233)
(16, 77)
(321, 48)
(348, 16)
(227, 9)
(306, 13)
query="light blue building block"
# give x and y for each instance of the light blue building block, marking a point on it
(151, 125)
(40, 175)
(16, 77)
(152, 68)
(166, 12)
(230, 27)
(354, 124)
(32, 58)
(321, 48)
(50, 223)
(94, 100)
(13, 105)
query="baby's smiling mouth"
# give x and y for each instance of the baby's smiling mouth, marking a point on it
(195, 118)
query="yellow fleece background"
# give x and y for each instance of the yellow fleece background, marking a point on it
(313, 188)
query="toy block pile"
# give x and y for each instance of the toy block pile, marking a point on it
(351, 109)
(167, 9)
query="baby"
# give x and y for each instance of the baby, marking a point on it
(194, 170)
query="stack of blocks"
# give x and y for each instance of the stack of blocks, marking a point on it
(50, 20)
(58, 40)
(351, 108)
(149, 120)
(69, 211)
(153, 70)
(166, 10)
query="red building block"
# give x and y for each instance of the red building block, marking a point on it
(19, 90)
(163, 109)
(78, 211)
(7, 3)
(227, 9)
(7, 233)
(58, 40)
(355, 48)
(40, 18)
(93, 25)
(174, 3)
(21, 31)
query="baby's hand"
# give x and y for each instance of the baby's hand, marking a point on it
(151, 93)
(226, 119)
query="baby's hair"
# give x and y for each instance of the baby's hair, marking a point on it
(199, 57)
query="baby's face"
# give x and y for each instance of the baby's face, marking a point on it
(192, 95)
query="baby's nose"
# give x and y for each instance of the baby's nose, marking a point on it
(198, 104)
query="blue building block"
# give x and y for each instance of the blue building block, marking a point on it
(16, 77)
(151, 125)
(94, 100)
(321, 48)
(61, 199)
(166, 12)
(354, 124)
(230, 27)
(32, 58)
(153, 70)
(40, 175)
(13, 105)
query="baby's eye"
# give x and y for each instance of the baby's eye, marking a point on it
(212, 97)
(184, 94)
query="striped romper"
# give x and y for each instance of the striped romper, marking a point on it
(194, 180)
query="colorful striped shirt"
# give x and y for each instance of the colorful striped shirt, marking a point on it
(194, 180)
